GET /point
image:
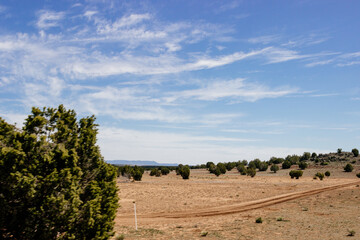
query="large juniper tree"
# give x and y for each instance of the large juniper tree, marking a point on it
(54, 183)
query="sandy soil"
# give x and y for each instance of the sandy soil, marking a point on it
(226, 207)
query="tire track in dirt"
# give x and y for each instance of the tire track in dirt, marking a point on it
(243, 207)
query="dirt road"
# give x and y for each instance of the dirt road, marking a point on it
(241, 207)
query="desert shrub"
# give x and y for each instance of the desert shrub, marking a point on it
(137, 175)
(178, 169)
(155, 172)
(221, 167)
(279, 219)
(274, 168)
(230, 165)
(54, 183)
(358, 175)
(303, 165)
(313, 155)
(296, 174)
(353, 161)
(184, 171)
(286, 164)
(212, 168)
(275, 160)
(339, 150)
(120, 237)
(263, 166)
(252, 164)
(251, 172)
(355, 152)
(324, 163)
(319, 175)
(242, 170)
(348, 168)
(208, 164)
(327, 173)
(305, 156)
(351, 233)
(204, 234)
(259, 220)
(293, 159)
(217, 171)
(165, 171)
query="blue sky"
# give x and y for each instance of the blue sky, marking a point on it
(189, 81)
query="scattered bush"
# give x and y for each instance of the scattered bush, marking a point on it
(263, 166)
(120, 237)
(274, 168)
(324, 163)
(230, 165)
(251, 172)
(319, 175)
(155, 172)
(351, 233)
(204, 234)
(327, 173)
(212, 168)
(221, 167)
(313, 155)
(305, 156)
(184, 172)
(279, 219)
(286, 164)
(241, 168)
(275, 160)
(358, 175)
(296, 174)
(259, 220)
(165, 171)
(303, 165)
(137, 175)
(217, 171)
(348, 168)
(355, 152)
(339, 150)
(208, 164)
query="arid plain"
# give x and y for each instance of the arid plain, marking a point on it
(226, 207)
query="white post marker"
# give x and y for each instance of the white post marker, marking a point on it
(135, 216)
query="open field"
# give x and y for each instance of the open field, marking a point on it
(226, 207)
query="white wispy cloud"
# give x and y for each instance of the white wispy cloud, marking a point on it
(266, 39)
(237, 89)
(48, 19)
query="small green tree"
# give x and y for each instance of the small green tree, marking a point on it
(217, 171)
(303, 165)
(54, 183)
(185, 172)
(348, 168)
(286, 164)
(296, 174)
(274, 168)
(242, 170)
(251, 172)
(165, 171)
(221, 167)
(319, 175)
(339, 150)
(355, 152)
(263, 166)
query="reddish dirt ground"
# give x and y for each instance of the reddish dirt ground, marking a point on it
(226, 207)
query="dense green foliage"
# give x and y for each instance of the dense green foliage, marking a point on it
(184, 171)
(286, 164)
(54, 183)
(296, 174)
(155, 172)
(274, 168)
(319, 175)
(348, 168)
(251, 172)
(241, 168)
(355, 152)
(303, 165)
(131, 172)
(263, 166)
(164, 170)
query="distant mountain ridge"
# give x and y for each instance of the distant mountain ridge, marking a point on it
(139, 163)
